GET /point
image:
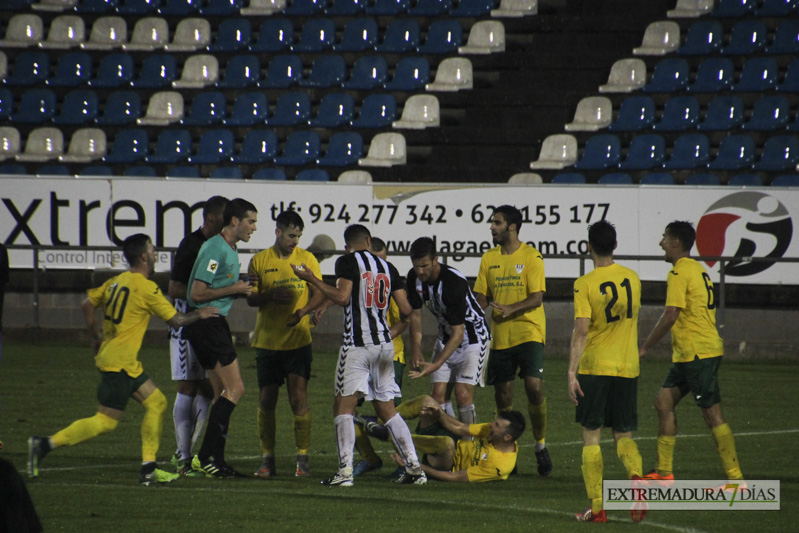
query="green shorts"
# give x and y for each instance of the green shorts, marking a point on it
(527, 357)
(608, 401)
(275, 365)
(700, 377)
(116, 388)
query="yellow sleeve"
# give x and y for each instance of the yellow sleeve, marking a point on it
(96, 294)
(676, 288)
(481, 284)
(582, 306)
(158, 304)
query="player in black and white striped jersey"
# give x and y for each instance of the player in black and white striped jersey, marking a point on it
(364, 285)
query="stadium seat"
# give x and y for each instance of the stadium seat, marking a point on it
(786, 180)
(52, 170)
(601, 152)
(227, 173)
(670, 75)
(360, 35)
(163, 109)
(182, 8)
(86, 145)
(759, 74)
(115, 70)
(283, 72)
(593, 113)
(23, 30)
(368, 72)
(307, 8)
(557, 151)
(10, 142)
(172, 146)
(183, 171)
(241, 71)
(43, 144)
(249, 109)
(691, 150)
(410, 74)
(703, 179)
(73, 69)
(95, 170)
(140, 171)
(355, 176)
(452, 74)
(780, 153)
(388, 7)
(515, 8)
(443, 37)
(121, 108)
(569, 178)
(485, 37)
(233, 34)
(385, 150)
(130, 146)
(12, 169)
(714, 74)
(430, 8)
(199, 71)
(770, 113)
(636, 113)
(312, 174)
(646, 152)
(149, 33)
(3, 65)
(30, 68)
(258, 147)
(723, 113)
(793, 125)
(263, 7)
(36, 106)
(274, 174)
(292, 109)
(745, 180)
(107, 33)
(657, 178)
(80, 107)
(786, 38)
(6, 103)
(790, 83)
(191, 34)
(419, 112)
(137, 7)
(734, 8)
(55, 6)
(704, 37)
(66, 31)
(735, 152)
(97, 6)
(402, 35)
(157, 71)
(221, 7)
(215, 146)
(680, 113)
(747, 37)
(327, 71)
(275, 35)
(346, 7)
(777, 8)
(616, 178)
(660, 38)
(523, 178)
(626, 75)
(472, 8)
(317, 35)
(207, 108)
(335, 110)
(343, 149)
(301, 148)
(377, 111)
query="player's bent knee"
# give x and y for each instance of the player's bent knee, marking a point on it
(156, 402)
(105, 423)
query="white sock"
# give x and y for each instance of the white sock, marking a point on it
(184, 422)
(200, 409)
(345, 440)
(401, 436)
(447, 408)
(468, 415)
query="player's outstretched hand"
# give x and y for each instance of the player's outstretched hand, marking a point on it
(426, 368)
(294, 319)
(243, 287)
(303, 272)
(208, 312)
(504, 310)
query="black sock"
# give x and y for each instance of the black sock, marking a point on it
(148, 467)
(216, 431)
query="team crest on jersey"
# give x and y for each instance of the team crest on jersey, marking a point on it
(519, 268)
(213, 265)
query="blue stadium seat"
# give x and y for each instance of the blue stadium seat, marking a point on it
(73, 69)
(305, 7)
(335, 110)
(368, 72)
(292, 109)
(786, 180)
(410, 74)
(616, 178)
(249, 109)
(759, 74)
(569, 178)
(377, 111)
(157, 71)
(274, 174)
(704, 37)
(283, 72)
(734, 8)
(346, 7)
(312, 174)
(780, 153)
(317, 35)
(326, 71)
(207, 108)
(97, 6)
(96, 170)
(430, 8)
(636, 113)
(301, 148)
(443, 37)
(388, 7)
(53, 170)
(359, 35)
(275, 35)
(180, 7)
(777, 8)
(132, 7)
(13, 169)
(121, 108)
(770, 113)
(80, 107)
(36, 106)
(747, 37)
(657, 178)
(6, 103)
(172, 146)
(130, 146)
(241, 71)
(723, 113)
(343, 149)
(258, 147)
(115, 70)
(670, 75)
(736, 152)
(215, 146)
(715, 74)
(473, 8)
(601, 152)
(140, 171)
(786, 38)
(746, 180)
(227, 173)
(691, 150)
(233, 34)
(402, 35)
(222, 7)
(646, 152)
(30, 68)
(183, 171)
(679, 114)
(790, 83)
(703, 178)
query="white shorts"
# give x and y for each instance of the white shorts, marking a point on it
(185, 366)
(466, 365)
(367, 371)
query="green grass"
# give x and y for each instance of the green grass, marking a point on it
(93, 486)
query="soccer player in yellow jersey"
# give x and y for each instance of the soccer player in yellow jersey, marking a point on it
(511, 280)
(603, 364)
(282, 339)
(697, 348)
(127, 301)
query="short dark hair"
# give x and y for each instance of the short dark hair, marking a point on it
(289, 218)
(602, 237)
(356, 233)
(134, 246)
(238, 208)
(512, 215)
(517, 423)
(684, 232)
(378, 244)
(214, 205)
(423, 247)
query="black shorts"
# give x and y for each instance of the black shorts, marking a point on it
(275, 365)
(211, 341)
(609, 401)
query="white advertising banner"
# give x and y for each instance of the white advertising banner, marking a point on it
(78, 213)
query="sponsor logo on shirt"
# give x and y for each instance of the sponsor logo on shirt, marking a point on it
(492, 267)
(213, 265)
(519, 268)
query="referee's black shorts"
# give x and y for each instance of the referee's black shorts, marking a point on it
(211, 341)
